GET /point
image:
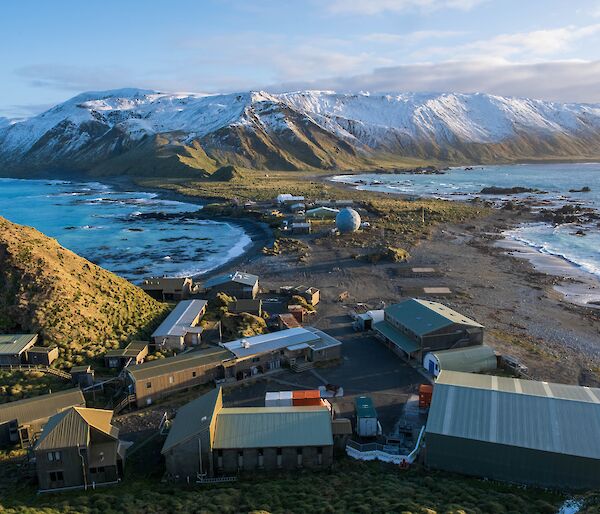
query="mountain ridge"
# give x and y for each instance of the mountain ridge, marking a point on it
(145, 132)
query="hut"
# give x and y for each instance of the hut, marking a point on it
(472, 359)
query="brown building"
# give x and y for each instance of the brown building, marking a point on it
(287, 320)
(181, 327)
(240, 285)
(208, 439)
(169, 289)
(79, 448)
(42, 355)
(134, 353)
(14, 348)
(21, 421)
(157, 379)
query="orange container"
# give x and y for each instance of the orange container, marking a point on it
(425, 392)
(308, 397)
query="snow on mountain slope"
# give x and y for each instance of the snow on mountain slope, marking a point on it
(315, 128)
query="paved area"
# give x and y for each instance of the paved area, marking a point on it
(367, 368)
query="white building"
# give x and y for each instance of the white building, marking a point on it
(180, 328)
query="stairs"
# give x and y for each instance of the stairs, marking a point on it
(299, 367)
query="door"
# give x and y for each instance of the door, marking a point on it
(432, 367)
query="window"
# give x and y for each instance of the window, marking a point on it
(193, 374)
(255, 359)
(57, 456)
(148, 385)
(171, 380)
(52, 456)
(279, 452)
(56, 478)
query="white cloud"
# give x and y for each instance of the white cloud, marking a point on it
(564, 81)
(417, 36)
(370, 7)
(524, 46)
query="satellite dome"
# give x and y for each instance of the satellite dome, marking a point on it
(347, 220)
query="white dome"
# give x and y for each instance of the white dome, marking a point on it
(347, 220)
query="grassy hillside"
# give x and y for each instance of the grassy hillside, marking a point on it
(351, 487)
(73, 303)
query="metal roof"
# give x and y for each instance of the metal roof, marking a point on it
(542, 416)
(180, 319)
(270, 342)
(364, 407)
(470, 359)
(133, 349)
(324, 341)
(423, 317)
(401, 340)
(273, 427)
(180, 362)
(15, 344)
(193, 418)
(241, 278)
(72, 427)
(39, 407)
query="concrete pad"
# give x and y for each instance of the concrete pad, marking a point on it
(437, 290)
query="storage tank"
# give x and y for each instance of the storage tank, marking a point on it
(366, 417)
(347, 220)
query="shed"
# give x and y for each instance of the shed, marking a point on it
(472, 359)
(134, 353)
(515, 430)
(14, 348)
(83, 376)
(42, 355)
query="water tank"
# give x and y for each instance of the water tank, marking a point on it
(347, 220)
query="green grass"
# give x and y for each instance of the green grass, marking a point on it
(351, 487)
(17, 385)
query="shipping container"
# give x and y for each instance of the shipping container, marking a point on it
(425, 392)
(278, 399)
(308, 397)
(366, 417)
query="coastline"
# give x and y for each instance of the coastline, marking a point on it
(260, 234)
(576, 286)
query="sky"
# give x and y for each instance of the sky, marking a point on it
(51, 51)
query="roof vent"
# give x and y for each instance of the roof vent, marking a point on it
(245, 343)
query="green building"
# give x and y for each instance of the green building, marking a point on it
(414, 327)
(515, 430)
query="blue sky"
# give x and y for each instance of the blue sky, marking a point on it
(539, 48)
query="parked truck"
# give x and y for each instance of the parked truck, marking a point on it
(366, 417)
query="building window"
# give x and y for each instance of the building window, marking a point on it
(57, 478)
(193, 374)
(148, 385)
(299, 456)
(171, 380)
(255, 359)
(52, 456)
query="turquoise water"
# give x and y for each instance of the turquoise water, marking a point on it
(116, 230)
(555, 179)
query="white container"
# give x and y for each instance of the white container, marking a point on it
(279, 399)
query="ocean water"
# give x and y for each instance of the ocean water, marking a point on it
(113, 229)
(554, 179)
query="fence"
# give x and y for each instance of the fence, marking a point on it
(37, 367)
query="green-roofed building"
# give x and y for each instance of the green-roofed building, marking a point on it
(207, 438)
(472, 359)
(79, 448)
(414, 327)
(14, 348)
(515, 430)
